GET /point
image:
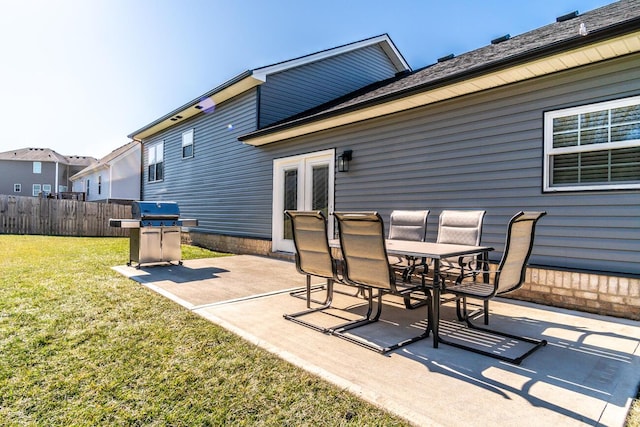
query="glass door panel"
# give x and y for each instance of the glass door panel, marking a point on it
(290, 199)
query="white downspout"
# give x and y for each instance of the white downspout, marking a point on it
(55, 189)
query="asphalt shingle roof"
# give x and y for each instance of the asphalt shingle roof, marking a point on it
(45, 155)
(520, 48)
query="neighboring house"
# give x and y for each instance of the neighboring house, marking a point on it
(38, 171)
(547, 120)
(114, 177)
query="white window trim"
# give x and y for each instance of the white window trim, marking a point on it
(154, 147)
(549, 151)
(188, 141)
(36, 190)
(46, 188)
(17, 188)
(37, 167)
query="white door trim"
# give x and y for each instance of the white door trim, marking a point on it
(304, 164)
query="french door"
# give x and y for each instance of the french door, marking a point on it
(304, 182)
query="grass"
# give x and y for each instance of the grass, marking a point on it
(82, 345)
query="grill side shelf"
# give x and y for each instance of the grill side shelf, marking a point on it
(124, 223)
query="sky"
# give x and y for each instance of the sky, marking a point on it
(78, 76)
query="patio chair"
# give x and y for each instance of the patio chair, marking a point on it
(407, 225)
(508, 277)
(460, 227)
(366, 265)
(313, 258)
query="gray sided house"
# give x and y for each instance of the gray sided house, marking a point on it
(115, 177)
(38, 171)
(192, 155)
(546, 120)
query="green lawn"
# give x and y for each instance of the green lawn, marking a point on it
(82, 345)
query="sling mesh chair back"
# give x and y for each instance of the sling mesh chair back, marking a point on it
(313, 258)
(407, 225)
(460, 228)
(508, 277)
(366, 265)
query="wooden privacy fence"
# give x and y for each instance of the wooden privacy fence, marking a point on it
(55, 217)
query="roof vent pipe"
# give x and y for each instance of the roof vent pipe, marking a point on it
(567, 17)
(501, 39)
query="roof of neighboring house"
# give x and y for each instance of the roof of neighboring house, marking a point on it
(573, 40)
(252, 78)
(45, 155)
(104, 162)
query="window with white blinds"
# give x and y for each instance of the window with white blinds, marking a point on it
(593, 147)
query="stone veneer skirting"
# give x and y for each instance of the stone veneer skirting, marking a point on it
(588, 292)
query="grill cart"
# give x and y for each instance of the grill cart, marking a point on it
(154, 232)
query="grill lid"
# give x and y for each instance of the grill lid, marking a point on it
(155, 210)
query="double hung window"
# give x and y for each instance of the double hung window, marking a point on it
(593, 147)
(187, 144)
(155, 162)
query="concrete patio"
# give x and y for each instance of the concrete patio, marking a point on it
(587, 374)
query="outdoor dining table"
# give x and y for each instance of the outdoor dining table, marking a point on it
(436, 252)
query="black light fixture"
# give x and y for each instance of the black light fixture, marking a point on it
(343, 160)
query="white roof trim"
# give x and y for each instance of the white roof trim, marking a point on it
(619, 46)
(384, 40)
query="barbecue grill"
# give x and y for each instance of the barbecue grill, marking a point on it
(154, 232)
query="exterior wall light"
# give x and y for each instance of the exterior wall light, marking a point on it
(343, 160)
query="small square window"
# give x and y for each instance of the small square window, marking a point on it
(17, 188)
(46, 188)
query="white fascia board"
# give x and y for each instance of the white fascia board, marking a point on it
(384, 41)
(197, 106)
(88, 171)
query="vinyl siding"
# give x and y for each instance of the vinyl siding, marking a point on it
(21, 172)
(298, 89)
(226, 185)
(485, 151)
(125, 176)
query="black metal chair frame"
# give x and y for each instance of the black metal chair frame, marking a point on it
(382, 285)
(327, 269)
(486, 291)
